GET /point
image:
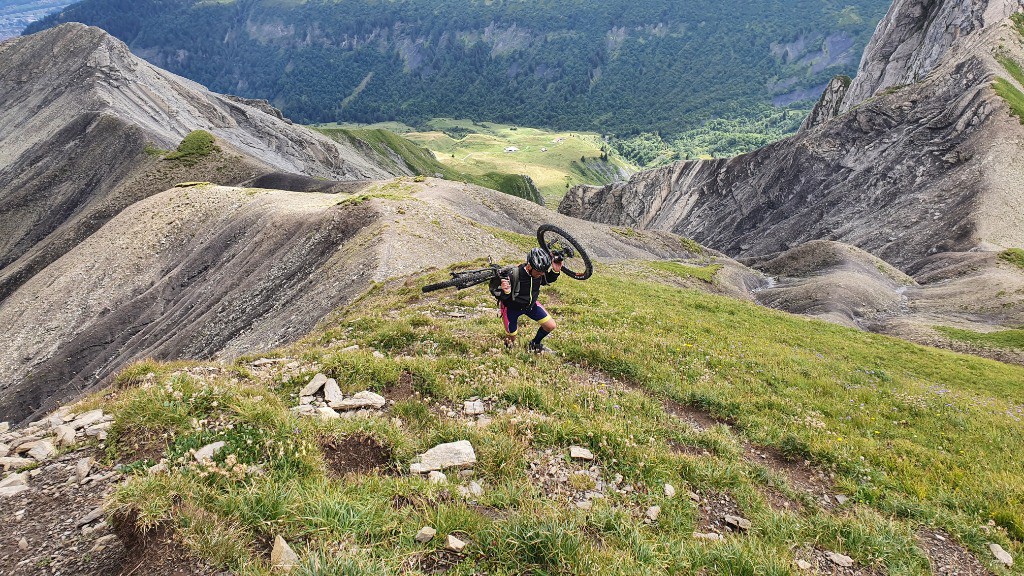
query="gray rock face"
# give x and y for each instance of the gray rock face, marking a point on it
(915, 36)
(932, 167)
(829, 104)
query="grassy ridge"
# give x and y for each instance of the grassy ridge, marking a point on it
(913, 435)
(386, 144)
(553, 160)
(999, 339)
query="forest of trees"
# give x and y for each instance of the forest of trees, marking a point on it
(617, 67)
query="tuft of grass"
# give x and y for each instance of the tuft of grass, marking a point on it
(1012, 95)
(1000, 339)
(1018, 21)
(691, 245)
(193, 148)
(1014, 256)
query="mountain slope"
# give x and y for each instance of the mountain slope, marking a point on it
(569, 65)
(913, 170)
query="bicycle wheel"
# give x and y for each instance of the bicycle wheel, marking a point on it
(575, 260)
(463, 281)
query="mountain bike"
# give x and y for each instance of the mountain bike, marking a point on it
(560, 244)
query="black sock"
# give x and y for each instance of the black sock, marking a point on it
(541, 333)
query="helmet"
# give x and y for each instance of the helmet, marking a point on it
(539, 259)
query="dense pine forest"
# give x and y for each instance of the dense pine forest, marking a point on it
(620, 67)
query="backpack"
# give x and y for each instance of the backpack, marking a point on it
(513, 278)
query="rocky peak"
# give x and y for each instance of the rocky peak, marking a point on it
(829, 104)
(914, 37)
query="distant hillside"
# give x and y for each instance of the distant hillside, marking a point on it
(573, 66)
(15, 15)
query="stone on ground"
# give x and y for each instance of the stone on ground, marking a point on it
(314, 385)
(15, 462)
(436, 477)
(207, 452)
(15, 480)
(803, 565)
(327, 413)
(282, 557)
(473, 408)
(840, 559)
(708, 536)
(82, 468)
(4, 427)
(737, 522)
(42, 450)
(652, 513)
(1002, 555)
(365, 399)
(451, 455)
(476, 489)
(88, 419)
(426, 534)
(23, 544)
(454, 544)
(332, 392)
(670, 491)
(65, 435)
(4, 450)
(580, 453)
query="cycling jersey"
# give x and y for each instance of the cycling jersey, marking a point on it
(525, 288)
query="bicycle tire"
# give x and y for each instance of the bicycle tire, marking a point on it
(580, 267)
(462, 282)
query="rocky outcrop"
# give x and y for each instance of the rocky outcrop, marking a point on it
(930, 167)
(914, 38)
(829, 104)
(83, 125)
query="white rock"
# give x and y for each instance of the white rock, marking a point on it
(327, 413)
(513, 372)
(416, 468)
(840, 559)
(15, 462)
(332, 392)
(670, 491)
(378, 354)
(15, 480)
(473, 408)
(282, 557)
(158, 468)
(351, 348)
(803, 565)
(454, 544)
(65, 435)
(97, 428)
(88, 419)
(451, 455)
(708, 536)
(207, 452)
(82, 468)
(436, 477)
(12, 491)
(23, 544)
(42, 450)
(361, 400)
(4, 427)
(4, 450)
(580, 453)
(314, 385)
(1000, 554)
(91, 517)
(840, 499)
(584, 504)
(652, 513)
(737, 522)
(476, 489)
(306, 400)
(426, 534)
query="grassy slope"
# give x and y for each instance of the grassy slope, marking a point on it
(386, 144)
(482, 151)
(913, 435)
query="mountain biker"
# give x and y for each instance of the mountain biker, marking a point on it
(517, 293)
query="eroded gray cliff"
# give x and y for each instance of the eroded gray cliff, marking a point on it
(931, 167)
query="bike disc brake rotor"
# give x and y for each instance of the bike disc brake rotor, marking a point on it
(561, 247)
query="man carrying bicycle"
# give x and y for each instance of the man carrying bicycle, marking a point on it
(517, 294)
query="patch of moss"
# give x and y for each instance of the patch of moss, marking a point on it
(1018, 22)
(195, 146)
(691, 245)
(1014, 256)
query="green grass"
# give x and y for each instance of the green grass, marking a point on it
(1006, 89)
(195, 146)
(550, 158)
(1014, 256)
(1018, 22)
(385, 143)
(913, 435)
(1000, 339)
(703, 273)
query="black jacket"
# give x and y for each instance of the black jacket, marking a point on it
(525, 288)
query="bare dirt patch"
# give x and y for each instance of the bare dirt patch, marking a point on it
(434, 562)
(799, 474)
(155, 552)
(356, 454)
(822, 564)
(946, 556)
(404, 389)
(699, 419)
(136, 444)
(712, 509)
